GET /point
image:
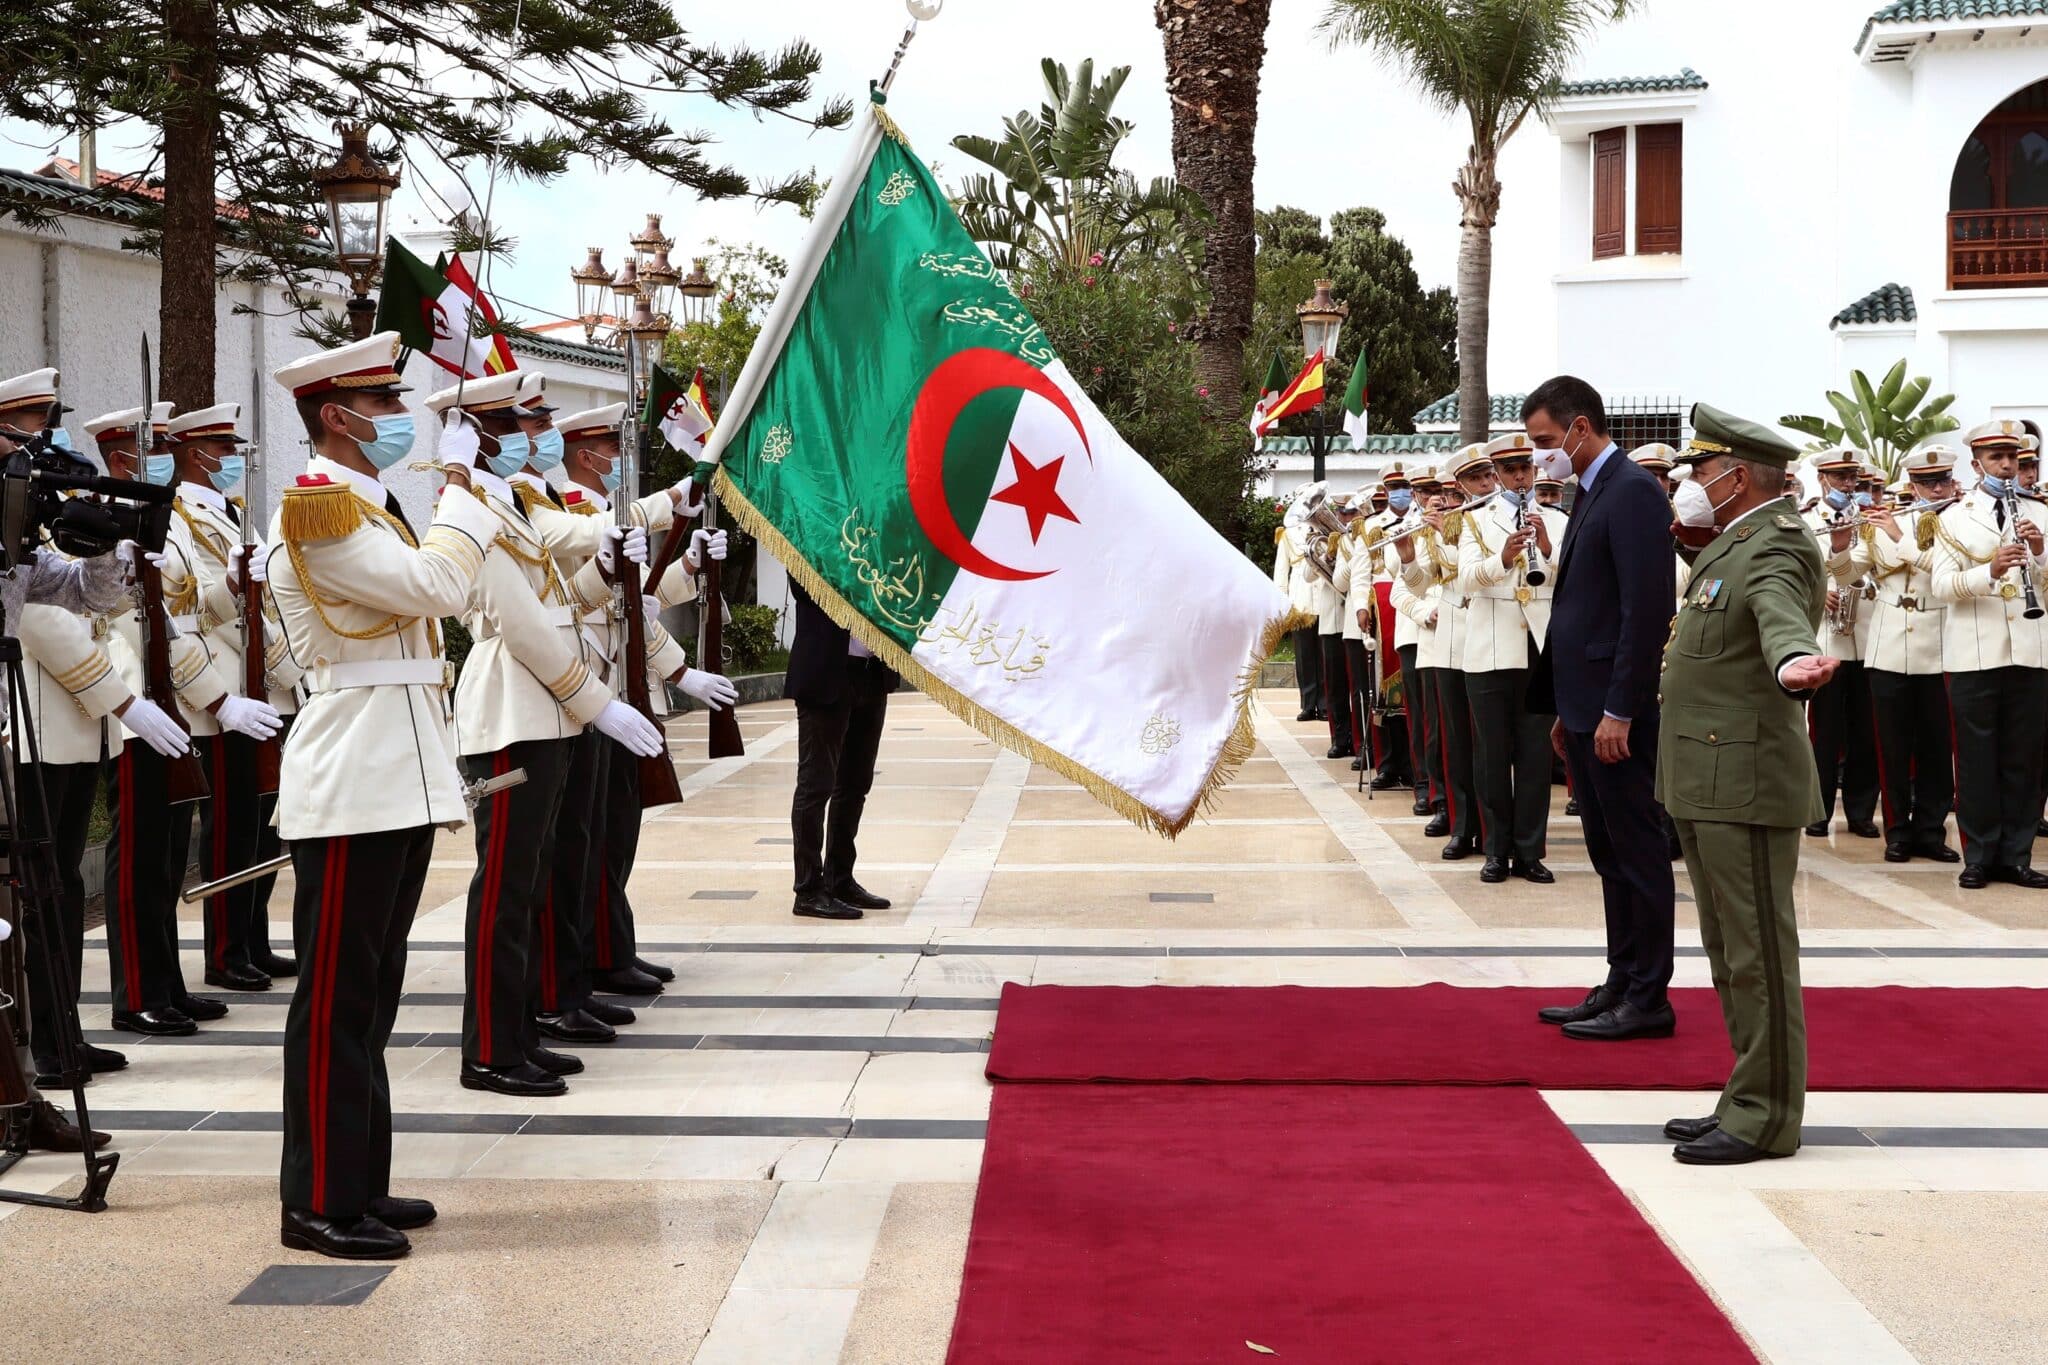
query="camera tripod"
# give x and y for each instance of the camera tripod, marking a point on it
(31, 877)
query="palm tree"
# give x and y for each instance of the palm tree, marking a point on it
(1214, 49)
(1498, 61)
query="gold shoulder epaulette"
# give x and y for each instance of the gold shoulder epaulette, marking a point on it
(1279, 534)
(527, 500)
(583, 509)
(1454, 522)
(1924, 531)
(319, 511)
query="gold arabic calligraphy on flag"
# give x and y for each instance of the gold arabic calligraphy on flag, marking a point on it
(965, 634)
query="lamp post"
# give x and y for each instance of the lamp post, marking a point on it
(593, 281)
(357, 188)
(696, 290)
(1322, 319)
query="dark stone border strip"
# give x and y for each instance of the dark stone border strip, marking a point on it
(877, 1044)
(450, 999)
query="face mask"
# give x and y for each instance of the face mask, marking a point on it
(1554, 464)
(392, 443)
(1692, 504)
(1996, 488)
(158, 469)
(547, 449)
(513, 448)
(1512, 500)
(1836, 498)
(1865, 500)
(1400, 499)
(232, 468)
(61, 439)
(611, 479)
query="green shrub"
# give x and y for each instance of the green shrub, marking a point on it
(455, 642)
(750, 636)
(1262, 518)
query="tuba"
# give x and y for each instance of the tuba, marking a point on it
(1326, 533)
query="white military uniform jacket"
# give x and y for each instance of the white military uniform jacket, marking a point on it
(361, 601)
(196, 681)
(1354, 580)
(1291, 573)
(1985, 626)
(529, 674)
(1503, 613)
(1432, 577)
(216, 536)
(595, 597)
(1906, 622)
(1431, 650)
(1844, 578)
(73, 686)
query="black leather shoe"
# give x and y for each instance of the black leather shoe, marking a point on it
(237, 979)
(525, 1080)
(1598, 1001)
(104, 1059)
(1384, 781)
(818, 905)
(605, 1012)
(50, 1131)
(365, 1239)
(1571, 806)
(1459, 848)
(1865, 829)
(1533, 871)
(1358, 764)
(1495, 871)
(2041, 829)
(98, 1062)
(1623, 1022)
(852, 893)
(555, 1063)
(394, 1211)
(1937, 852)
(2020, 876)
(626, 981)
(1971, 878)
(1897, 853)
(1691, 1130)
(1438, 826)
(1721, 1149)
(200, 1009)
(274, 964)
(1306, 713)
(656, 970)
(50, 1076)
(1340, 751)
(575, 1027)
(163, 1023)
(1421, 806)
(1818, 829)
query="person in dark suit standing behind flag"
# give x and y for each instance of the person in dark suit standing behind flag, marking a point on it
(841, 693)
(1615, 593)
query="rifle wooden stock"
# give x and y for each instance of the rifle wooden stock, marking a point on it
(671, 545)
(725, 723)
(256, 678)
(184, 776)
(658, 783)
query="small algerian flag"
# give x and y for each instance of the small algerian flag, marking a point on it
(956, 502)
(1355, 398)
(1302, 394)
(678, 413)
(434, 315)
(1276, 380)
(500, 359)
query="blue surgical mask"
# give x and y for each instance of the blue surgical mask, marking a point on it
(232, 469)
(1836, 498)
(1509, 498)
(611, 479)
(547, 449)
(159, 469)
(392, 443)
(513, 448)
(60, 438)
(1400, 499)
(1865, 500)
(1996, 488)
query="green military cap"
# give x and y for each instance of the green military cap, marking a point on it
(1719, 433)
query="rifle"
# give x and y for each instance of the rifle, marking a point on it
(658, 783)
(184, 776)
(725, 724)
(255, 676)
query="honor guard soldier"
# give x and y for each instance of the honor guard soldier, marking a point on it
(235, 826)
(1354, 579)
(1903, 665)
(2029, 481)
(1840, 718)
(1471, 477)
(1550, 492)
(368, 777)
(1504, 557)
(1329, 609)
(1422, 651)
(1422, 763)
(1732, 770)
(1396, 761)
(1659, 459)
(1292, 575)
(1994, 648)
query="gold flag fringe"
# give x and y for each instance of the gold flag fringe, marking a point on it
(889, 127)
(1237, 746)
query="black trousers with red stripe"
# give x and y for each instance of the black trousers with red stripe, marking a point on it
(56, 799)
(231, 826)
(145, 869)
(1420, 691)
(1338, 694)
(357, 895)
(564, 943)
(1915, 756)
(1454, 741)
(515, 833)
(1838, 720)
(615, 942)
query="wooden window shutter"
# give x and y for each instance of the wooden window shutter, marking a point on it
(1610, 192)
(1659, 188)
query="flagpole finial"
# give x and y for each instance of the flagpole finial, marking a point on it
(920, 11)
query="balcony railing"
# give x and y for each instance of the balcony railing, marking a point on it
(1998, 249)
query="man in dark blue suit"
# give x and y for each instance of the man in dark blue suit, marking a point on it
(1615, 597)
(841, 693)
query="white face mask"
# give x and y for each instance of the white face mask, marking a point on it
(1692, 504)
(1554, 464)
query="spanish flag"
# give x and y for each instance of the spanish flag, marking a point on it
(1302, 395)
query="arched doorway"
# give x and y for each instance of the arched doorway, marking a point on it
(1998, 198)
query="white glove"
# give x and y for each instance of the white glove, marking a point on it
(459, 443)
(258, 563)
(684, 491)
(703, 542)
(635, 540)
(148, 722)
(650, 608)
(622, 723)
(127, 552)
(715, 690)
(244, 716)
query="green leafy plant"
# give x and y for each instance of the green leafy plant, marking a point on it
(1885, 421)
(750, 636)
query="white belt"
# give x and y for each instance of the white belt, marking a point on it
(559, 616)
(338, 677)
(596, 645)
(185, 625)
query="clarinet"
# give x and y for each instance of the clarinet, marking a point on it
(1533, 572)
(2032, 610)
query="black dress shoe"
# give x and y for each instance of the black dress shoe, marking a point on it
(1721, 1149)
(1971, 878)
(200, 1009)
(1438, 826)
(818, 905)
(1421, 806)
(852, 893)
(163, 1023)
(394, 1211)
(1533, 871)
(555, 1063)
(2041, 829)
(575, 1027)
(1384, 781)
(1937, 852)
(364, 1239)
(525, 1080)
(1340, 751)
(1306, 713)
(1598, 1001)
(237, 979)
(274, 964)
(50, 1131)
(1897, 853)
(626, 981)
(1495, 871)
(1865, 829)
(98, 1061)
(2020, 876)
(1623, 1022)
(104, 1059)
(1459, 848)
(1571, 806)
(1691, 1130)
(50, 1076)
(1818, 829)
(656, 970)
(1358, 765)
(605, 1012)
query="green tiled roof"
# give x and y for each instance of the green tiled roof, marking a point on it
(1686, 79)
(1504, 410)
(1421, 443)
(1886, 303)
(58, 195)
(1949, 11)
(570, 352)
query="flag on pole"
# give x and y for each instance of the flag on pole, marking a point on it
(1355, 398)
(434, 316)
(935, 478)
(500, 359)
(1276, 380)
(1302, 394)
(678, 412)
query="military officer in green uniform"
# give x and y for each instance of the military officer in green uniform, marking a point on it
(1735, 770)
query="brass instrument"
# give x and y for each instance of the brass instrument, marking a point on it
(1327, 533)
(1841, 616)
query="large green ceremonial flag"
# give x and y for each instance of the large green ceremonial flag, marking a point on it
(905, 441)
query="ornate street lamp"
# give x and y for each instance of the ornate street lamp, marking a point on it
(1322, 319)
(658, 280)
(593, 281)
(697, 289)
(648, 333)
(357, 188)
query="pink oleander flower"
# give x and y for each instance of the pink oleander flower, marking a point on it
(1202, 392)
(1088, 283)
(1095, 259)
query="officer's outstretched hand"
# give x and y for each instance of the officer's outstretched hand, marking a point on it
(715, 690)
(637, 733)
(149, 723)
(1807, 672)
(246, 716)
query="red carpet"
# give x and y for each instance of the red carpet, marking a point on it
(1858, 1038)
(1120, 1224)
